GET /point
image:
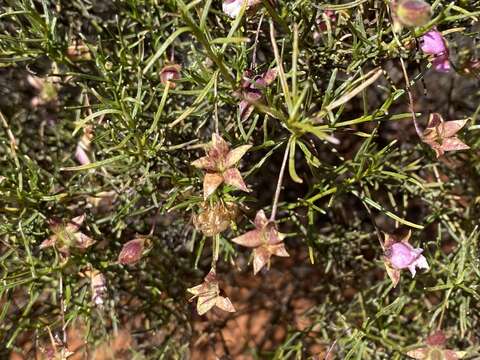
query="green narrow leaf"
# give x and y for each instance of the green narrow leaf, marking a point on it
(291, 161)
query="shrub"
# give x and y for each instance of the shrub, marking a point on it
(156, 150)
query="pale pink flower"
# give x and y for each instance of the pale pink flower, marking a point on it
(434, 44)
(434, 348)
(399, 255)
(405, 256)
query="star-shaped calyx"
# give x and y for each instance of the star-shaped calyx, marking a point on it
(399, 254)
(208, 294)
(435, 349)
(442, 135)
(220, 166)
(265, 240)
(67, 235)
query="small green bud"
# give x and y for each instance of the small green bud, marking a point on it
(413, 12)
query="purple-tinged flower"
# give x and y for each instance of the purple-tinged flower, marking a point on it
(328, 16)
(405, 256)
(434, 44)
(399, 255)
(435, 349)
(84, 146)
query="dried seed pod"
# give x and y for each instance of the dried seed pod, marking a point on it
(213, 219)
(132, 251)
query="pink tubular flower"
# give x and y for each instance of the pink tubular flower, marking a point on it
(434, 44)
(404, 255)
(399, 255)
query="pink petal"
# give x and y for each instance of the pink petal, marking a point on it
(75, 224)
(441, 64)
(245, 109)
(433, 43)
(219, 148)
(453, 144)
(83, 241)
(205, 302)
(48, 242)
(450, 128)
(232, 7)
(270, 75)
(279, 250)
(81, 155)
(437, 338)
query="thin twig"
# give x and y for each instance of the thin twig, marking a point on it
(257, 34)
(410, 98)
(62, 311)
(279, 184)
(374, 223)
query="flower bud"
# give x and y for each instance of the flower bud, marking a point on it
(78, 51)
(132, 251)
(169, 73)
(413, 12)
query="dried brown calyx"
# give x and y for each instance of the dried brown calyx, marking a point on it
(215, 218)
(265, 240)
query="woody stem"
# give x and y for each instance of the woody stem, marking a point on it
(279, 184)
(216, 250)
